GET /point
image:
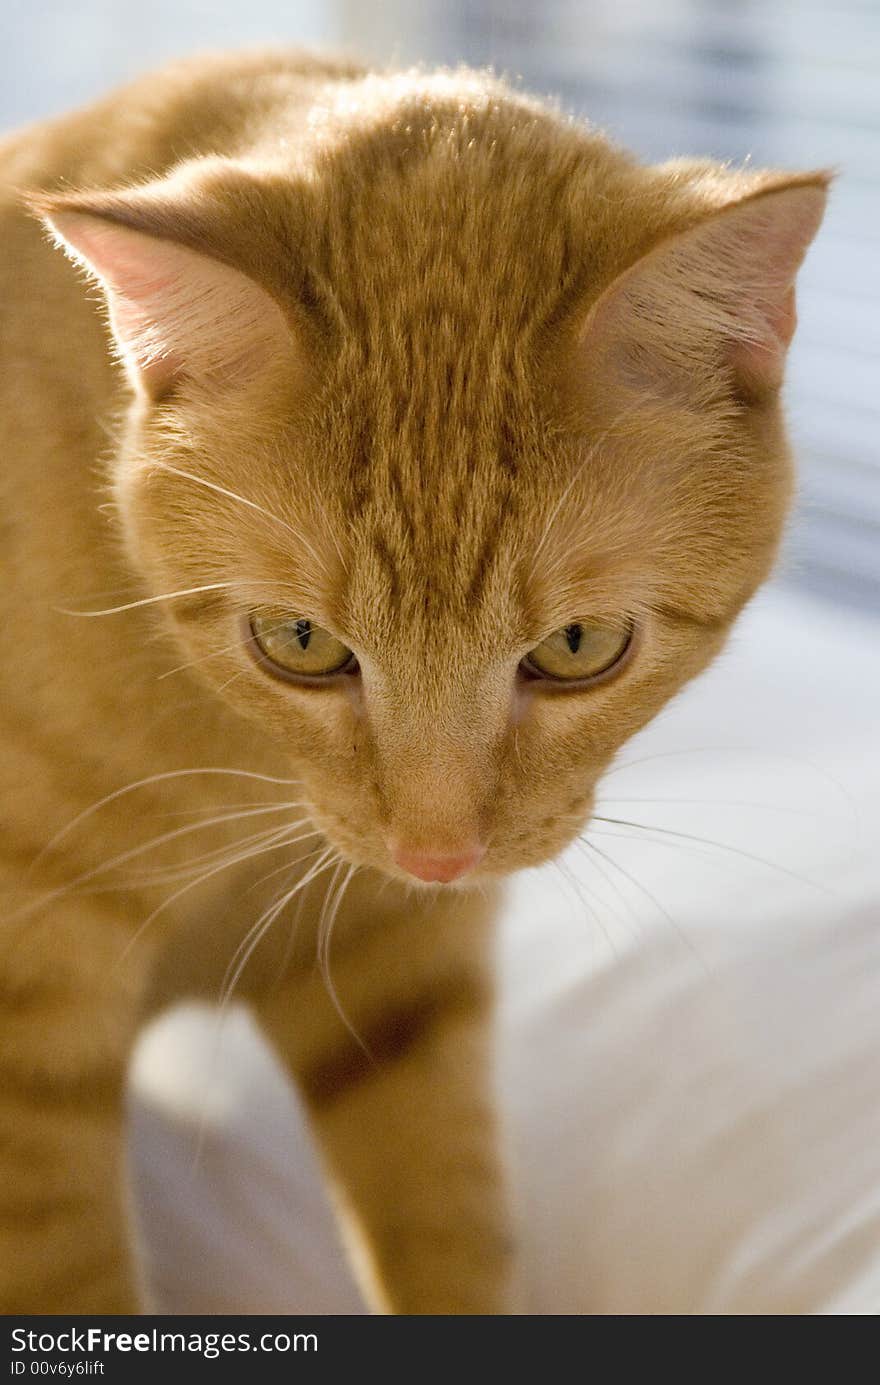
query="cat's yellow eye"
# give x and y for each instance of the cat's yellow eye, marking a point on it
(295, 647)
(578, 653)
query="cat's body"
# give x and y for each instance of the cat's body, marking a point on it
(370, 380)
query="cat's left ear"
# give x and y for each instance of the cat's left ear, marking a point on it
(716, 297)
(176, 314)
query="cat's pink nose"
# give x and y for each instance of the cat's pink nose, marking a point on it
(438, 867)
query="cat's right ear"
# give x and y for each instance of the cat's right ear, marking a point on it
(175, 314)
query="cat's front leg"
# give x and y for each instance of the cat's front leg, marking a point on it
(66, 1025)
(404, 1113)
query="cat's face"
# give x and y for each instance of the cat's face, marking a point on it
(456, 558)
(457, 553)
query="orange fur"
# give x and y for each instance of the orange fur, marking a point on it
(414, 357)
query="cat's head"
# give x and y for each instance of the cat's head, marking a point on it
(460, 439)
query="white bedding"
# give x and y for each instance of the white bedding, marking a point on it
(690, 1076)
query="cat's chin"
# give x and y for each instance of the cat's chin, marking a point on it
(473, 881)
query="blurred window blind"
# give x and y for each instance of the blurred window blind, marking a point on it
(793, 83)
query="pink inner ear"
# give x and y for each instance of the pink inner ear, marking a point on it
(784, 321)
(762, 362)
(776, 231)
(722, 291)
(120, 256)
(174, 312)
(141, 315)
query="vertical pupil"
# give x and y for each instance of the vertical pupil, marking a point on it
(303, 633)
(573, 635)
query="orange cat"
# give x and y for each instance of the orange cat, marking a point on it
(428, 444)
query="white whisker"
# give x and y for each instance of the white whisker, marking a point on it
(325, 932)
(240, 500)
(203, 659)
(167, 875)
(147, 782)
(257, 932)
(234, 860)
(588, 848)
(213, 807)
(134, 852)
(770, 755)
(723, 803)
(241, 672)
(597, 867)
(720, 846)
(571, 880)
(652, 898)
(148, 600)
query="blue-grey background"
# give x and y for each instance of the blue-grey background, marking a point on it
(784, 82)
